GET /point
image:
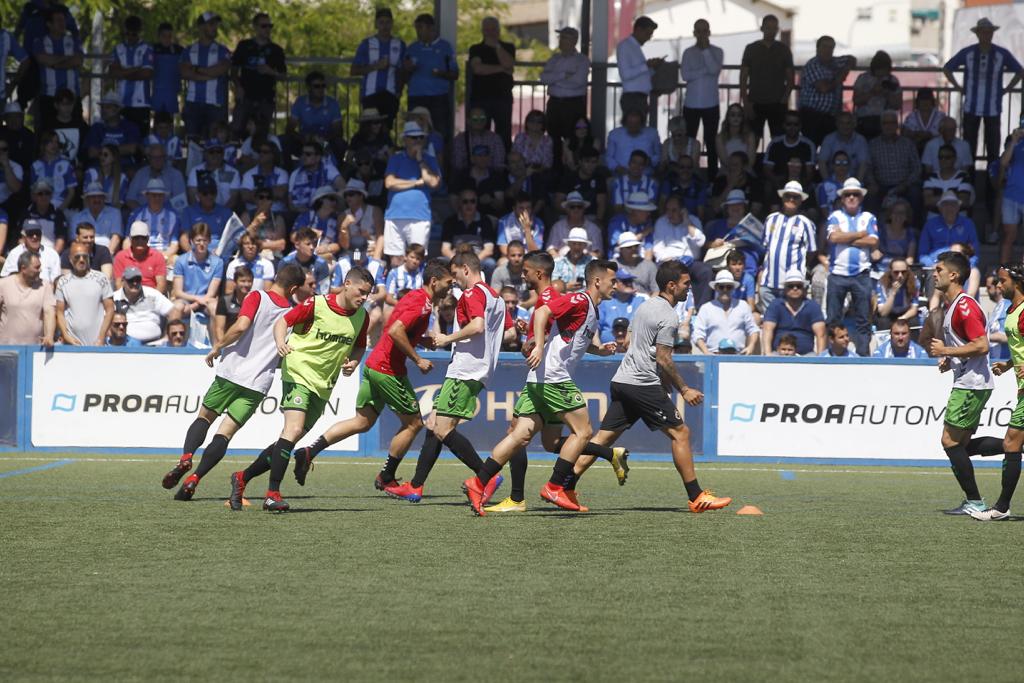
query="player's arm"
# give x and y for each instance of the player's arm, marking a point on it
(976, 347)
(599, 349)
(400, 338)
(475, 327)
(233, 334)
(541, 316)
(667, 367)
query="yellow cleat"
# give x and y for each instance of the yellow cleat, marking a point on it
(620, 464)
(507, 505)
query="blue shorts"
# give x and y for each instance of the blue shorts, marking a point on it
(1013, 212)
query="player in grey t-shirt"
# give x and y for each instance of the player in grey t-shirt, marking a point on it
(85, 301)
(637, 392)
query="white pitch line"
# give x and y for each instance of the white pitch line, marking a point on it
(912, 471)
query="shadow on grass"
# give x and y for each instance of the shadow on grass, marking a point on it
(295, 511)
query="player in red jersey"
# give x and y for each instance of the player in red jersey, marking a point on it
(385, 379)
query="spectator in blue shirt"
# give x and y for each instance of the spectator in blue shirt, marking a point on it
(948, 228)
(206, 210)
(197, 276)
(305, 245)
(113, 129)
(637, 220)
(794, 314)
(432, 68)
(838, 343)
(623, 304)
(682, 182)
(315, 114)
(521, 225)
(1011, 167)
(106, 219)
(166, 71)
(322, 217)
(631, 135)
(410, 177)
(852, 234)
(997, 345)
(899, 344)
(164, 223)
(378, 59)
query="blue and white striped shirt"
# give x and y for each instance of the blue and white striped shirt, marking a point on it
(400, 278)
(215, 91)
(93, 175)
(371, 50)
(172, 146)
(983, 77)
(625, 186)
(164, 227)
(915, 350)
(9, 48)
(787, 241)
(51, 79)
(846, 259)
(134, 93)
(60, 173)
(509, 230)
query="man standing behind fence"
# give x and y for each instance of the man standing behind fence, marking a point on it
(635, 70)
(256, 66)
(433, 68)
(700, 66)
(491, 63)
(377, 60)
(766, 79)
(983, 65)
(566, 74)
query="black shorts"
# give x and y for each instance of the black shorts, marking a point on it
(632, 402)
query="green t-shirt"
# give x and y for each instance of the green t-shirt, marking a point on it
(322, 339)
(1015, 340)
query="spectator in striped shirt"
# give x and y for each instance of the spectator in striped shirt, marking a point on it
(852, 233)
(132, 64)
(637, 178)
(59, 55)
(789, 240)
(821, 89)
(405, 277)
(205, 65)
(9, 48)
(984, 65)
(899, 344)
(378, 59)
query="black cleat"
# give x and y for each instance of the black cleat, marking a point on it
(172, 478)
(303, 464)
(237, 491)
(188, 489)
(275, 503)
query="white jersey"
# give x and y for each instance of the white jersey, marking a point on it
(250, 362)
(965, 321)
(575, 318)
(477, 357)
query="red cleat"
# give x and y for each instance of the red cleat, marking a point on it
(475, 493)
(236, 501)
(172, 478)
(405, 491)
(557, 495)
(571, 495)
(493, 485)
(275, 503)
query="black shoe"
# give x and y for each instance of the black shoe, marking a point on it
(303, 464)
(188, 489)
(382, 485)
(275, 503)
(237, 491)
(172, 478)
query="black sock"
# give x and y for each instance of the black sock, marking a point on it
(517, 467)
(1011, 473)
(279, 463)
(194, 437)
(463, 450)
(212, 454)
(428, 456)
(318, 445)
(985, 446)
(260, 465)
(488, 470)
(963, 470)
(387, 473)
(561, 473)
(693, 489)
(596, 450)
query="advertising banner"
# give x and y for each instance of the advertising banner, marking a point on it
(145, 400)
(837, 410)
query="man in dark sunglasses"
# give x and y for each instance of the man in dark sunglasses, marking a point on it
(257, 65)
(85, 301)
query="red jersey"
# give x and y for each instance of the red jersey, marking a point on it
(413, 310)
(543, 300)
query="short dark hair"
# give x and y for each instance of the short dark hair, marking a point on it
(303, 234)
(358, 274)
(290, 275)
(313, 76)
(424, 19)
(957, 263)
(900, 322)
(735, 256)
(435, 269)
(947, 148)
(524, 197)
(598, 265)
(515, 243)
(468, 259)
(164, 26)
(670, 271)
(541, 259)
(163, 117)
(788, 339)
(834, 327)
(417, 249)
(640, 153)
(133, 23)
(25, 258)
(176, 323)
(199, 229)
(260, 15)
(84, 224)
(589, 152)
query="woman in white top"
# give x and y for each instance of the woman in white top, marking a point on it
(677, 234)
(736, 136)
(679, 144)
(362, 224)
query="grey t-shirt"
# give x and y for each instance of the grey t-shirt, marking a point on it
(83, 303)
(646, 274)
(654, 323)
(502, 278)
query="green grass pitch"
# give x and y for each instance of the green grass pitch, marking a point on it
(851, 575)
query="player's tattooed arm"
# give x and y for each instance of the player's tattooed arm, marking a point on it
(667, 367)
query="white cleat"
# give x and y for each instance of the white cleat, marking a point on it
(990, 515)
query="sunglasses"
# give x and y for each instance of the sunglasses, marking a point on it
(119, 324)
(179, 333)
(34, 235)
(723, 288)
(134, 281)
(80, 257)
(794, 285)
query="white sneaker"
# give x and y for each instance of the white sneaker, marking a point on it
(990, 515)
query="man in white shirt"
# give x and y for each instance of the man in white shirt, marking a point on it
(145, 307)
(724, 318)
(32, 242)
(947, 136)
(635, 70)
(700, 66)
(566, 75)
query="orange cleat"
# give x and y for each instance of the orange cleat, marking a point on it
(708, 501)
(571, 495)
(475, 493)
(558, 495)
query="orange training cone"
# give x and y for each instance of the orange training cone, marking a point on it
(750, 510)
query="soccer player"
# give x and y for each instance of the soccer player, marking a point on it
(242, 379)
(550, 395)
(1011, 281)
(482, 322)
(386, 381)
(328, 338)
(964, 350)
(637, 392)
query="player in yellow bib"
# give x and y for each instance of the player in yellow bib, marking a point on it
(328, 339)
(1011, 281)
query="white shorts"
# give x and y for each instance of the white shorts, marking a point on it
(1013, 212)
(400, 233)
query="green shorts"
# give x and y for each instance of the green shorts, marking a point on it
(549, 400)
(1017, 417)
(298, 397)
(457, 398)
(379, 389)
(963, 410)
(240, 403)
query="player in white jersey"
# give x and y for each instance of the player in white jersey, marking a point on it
(551, 395)
(244, 375)
(481, 323)
(964, 350)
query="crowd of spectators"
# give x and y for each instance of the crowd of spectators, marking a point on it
(150, 224)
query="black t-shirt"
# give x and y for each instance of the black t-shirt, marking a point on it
(23, 148)
(100, 257)
(228, 306)
(780, 152)
(487, 187)
(481, 231)
(751, 187)
(72, 138)
(249, 55)
(589, 188)
(494, 86)
(53, 222)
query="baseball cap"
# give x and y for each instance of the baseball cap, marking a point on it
(735, 197)
(42, 184)
(383, 12)
(132, 273)
(624, 275)
(213, 143)
(207, 184)
(32, 225)
(567, 30)
(727, 346)
(620, 323)
(139, 229)
(110, 98)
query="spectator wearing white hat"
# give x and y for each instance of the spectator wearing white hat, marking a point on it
(145, 308)
(85, 302)
(32, 243)
(362, 224)
(852, 234)
(794, 314)
(156, 167)
(567, 74)
(735, 208)
(105, 219)
(150, 263)
(204, 67)
(165, 226)
(575, 207)
(113, 129)
(27, 304)
(50, 217)
(789, 241)
(724, 318)
(411, 176)
(636, 218)
(949, 228)
(569, 269)
(632, 261)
